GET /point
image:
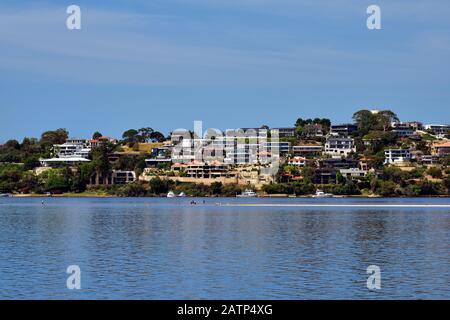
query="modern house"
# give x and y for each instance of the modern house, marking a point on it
(65, 161)
(353, 173)
(339, 146)
(393, 156)
(307, 150)
(429, 160)
(73, 147)
(338, 163)
(283, 147)
(439, 129)
(344, 129)
(404, 130)
(285, 132)
(324, 176)
(116, 177)
(160, 155)
(197, 169)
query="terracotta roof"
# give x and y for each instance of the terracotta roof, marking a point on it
(442, 145)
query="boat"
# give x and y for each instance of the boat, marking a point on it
(171, 194)
(182, 194)
(321, 194)
(4, 195)
(247, 194)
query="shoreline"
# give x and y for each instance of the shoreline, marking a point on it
(81, 195)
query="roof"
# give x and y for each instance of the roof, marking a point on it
(297, 158)
(442, 145)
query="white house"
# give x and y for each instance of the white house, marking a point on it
(339, 146)
(397, 156)
(70, 161)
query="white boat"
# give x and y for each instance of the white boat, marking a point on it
(4, 195)
(182, 194)
(171, 194)
(247, 194)
(321, 194)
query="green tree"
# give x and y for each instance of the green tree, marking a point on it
(96, 135)
(49, 138)
(435, 172)
(386, 188)
(131, 136)
(145, 134)
(159, 186)
(446, 183)
(216, 188)
(157, 136)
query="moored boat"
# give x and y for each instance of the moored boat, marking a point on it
(171, 194)
(321, 194)
(247, 194)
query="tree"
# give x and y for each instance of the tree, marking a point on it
(49, 138)
(386, 188)
(157, 136)
(158, 186)
(367, 120)
(135, 189)
(130, 136)
(100, 161)
(96, 135)
(446, 182)
(216, 188)
(145, 134)
(385, 118)
(434, 172)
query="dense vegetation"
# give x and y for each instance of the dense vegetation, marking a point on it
(19, 159)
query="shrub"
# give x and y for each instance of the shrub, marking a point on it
(436, 173)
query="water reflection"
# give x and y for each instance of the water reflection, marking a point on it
(158, 249)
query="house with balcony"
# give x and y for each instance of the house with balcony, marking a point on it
(344, 130)
(353, 173)
(397, 156)
(308, 150)
(337, 146)
(285, 132)
(438, 129)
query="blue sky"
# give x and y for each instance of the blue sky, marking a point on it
(230, 63)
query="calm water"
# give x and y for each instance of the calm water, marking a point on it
(168, 249)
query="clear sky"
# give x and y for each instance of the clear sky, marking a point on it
(230, 63)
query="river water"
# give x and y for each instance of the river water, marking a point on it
(153, 248)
